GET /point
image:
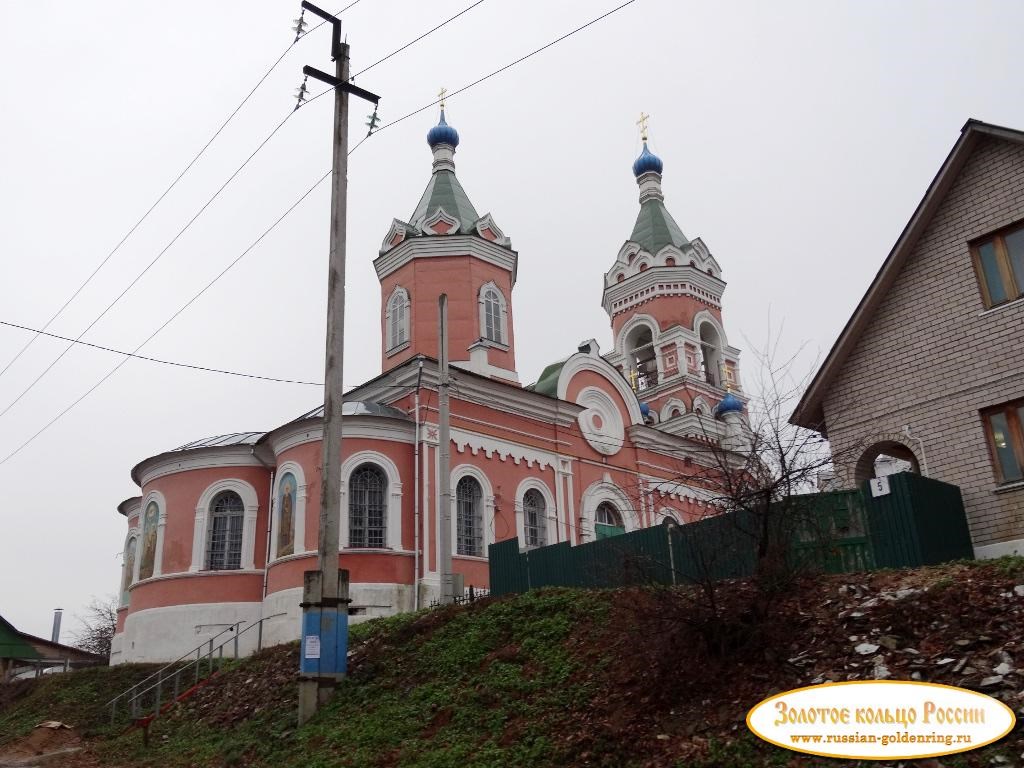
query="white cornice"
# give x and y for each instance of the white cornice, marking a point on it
(443, 246)
(198, 458)
(370, 427)
(502, 449)
(662, 281)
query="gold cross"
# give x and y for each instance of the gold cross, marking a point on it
(642, 122)
(441, 95)
(634, 379)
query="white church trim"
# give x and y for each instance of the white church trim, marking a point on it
(393, 534)
(200, 531)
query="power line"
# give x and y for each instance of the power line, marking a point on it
(216, 194)
(157, 360)
(153, 207)
(290, 209)
(167, 322)
(411, 43)
(508, 66)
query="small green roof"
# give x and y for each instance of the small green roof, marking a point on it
(445, 192)
(547, 384)
(655, 228)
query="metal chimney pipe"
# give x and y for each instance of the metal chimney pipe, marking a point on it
(57, 613)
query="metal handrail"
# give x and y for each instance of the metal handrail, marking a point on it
(178, 660)
(137, 692)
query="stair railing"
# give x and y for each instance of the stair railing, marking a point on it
(164, 685)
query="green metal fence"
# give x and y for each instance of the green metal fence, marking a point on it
(918, 521)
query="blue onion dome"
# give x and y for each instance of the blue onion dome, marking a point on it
(645, 409)
(442, 133)
(729, 404)
(647, 162)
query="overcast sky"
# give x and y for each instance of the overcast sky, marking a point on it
(797, 139)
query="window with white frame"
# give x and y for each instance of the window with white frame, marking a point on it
(535, 518)
(492, 314)
(224, 532)
(398, 318)
(608, 521)
(367, 507)
(469, 518)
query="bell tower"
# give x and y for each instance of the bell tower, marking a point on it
(447, 247)
(663, 295)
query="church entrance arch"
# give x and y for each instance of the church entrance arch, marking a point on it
(886, 454)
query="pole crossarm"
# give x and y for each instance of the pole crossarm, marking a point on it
(335, 23)
(334, 82)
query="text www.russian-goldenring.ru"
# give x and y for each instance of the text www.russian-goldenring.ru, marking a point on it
(885, 740)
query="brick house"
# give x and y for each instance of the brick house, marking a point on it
(930, 367)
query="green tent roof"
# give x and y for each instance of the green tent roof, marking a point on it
(655, 228)
(445, 192)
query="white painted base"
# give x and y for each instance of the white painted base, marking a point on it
(165, 634)
(1000, 549)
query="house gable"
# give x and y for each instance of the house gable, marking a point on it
(976, 137)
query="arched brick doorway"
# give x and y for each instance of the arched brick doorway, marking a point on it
(885, 457)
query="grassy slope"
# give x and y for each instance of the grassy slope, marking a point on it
(77, 698)
(562, 677)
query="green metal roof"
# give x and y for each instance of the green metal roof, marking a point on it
(445, 192)
(655, 228)
(13, 645)
(547, 384)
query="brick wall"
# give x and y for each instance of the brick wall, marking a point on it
(933, 357)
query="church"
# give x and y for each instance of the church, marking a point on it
(601, 444)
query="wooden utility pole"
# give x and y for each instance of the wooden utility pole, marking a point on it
(325, 591)
(444, 454)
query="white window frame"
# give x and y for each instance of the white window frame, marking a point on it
(124, 594)
(161, 523)
(399, 298)
(300, 509)
(502, 314)
(393, 498)
(200, 530)
(550, 511)
(600, 491)
(487, 513)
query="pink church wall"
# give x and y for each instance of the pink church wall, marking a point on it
(461, 277)
(182, 491)
(209, 587)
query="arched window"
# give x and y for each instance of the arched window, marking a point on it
(224, 540)
(129, 568)
(492, 316)
(469, 518)
(535, 518)
(287, 489)
(398, 318)
(367, 507)
(608, 521)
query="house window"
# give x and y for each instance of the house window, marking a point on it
(224, 542)
(492, 316)
(608, 521)
(469, 519)
(999, 264)
(367, 507)
(398, 318)
(1005, 427)
(534, 518)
